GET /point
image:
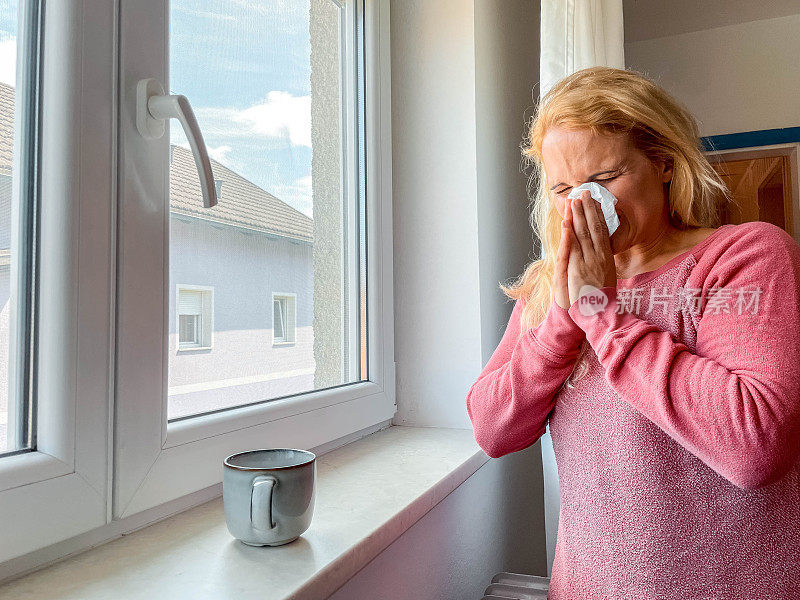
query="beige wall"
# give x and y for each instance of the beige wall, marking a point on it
(462, 74)
(481, 528)
(736, 78)
(506, 73)
(434, 189)
(462, 80)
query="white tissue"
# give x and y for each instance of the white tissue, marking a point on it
(606, 199)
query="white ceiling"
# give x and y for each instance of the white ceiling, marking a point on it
(646, 19)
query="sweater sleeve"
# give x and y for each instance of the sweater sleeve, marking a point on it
(511, 400)
(735, 404)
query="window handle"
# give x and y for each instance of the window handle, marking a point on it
(153, 108)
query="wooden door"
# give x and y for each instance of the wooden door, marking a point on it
(761, 189)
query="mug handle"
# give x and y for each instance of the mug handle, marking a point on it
(261, 497)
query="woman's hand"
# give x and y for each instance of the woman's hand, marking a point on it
(591, 261)
(560, 277)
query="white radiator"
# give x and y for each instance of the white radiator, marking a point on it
(516, 586)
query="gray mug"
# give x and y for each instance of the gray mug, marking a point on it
(268, 495)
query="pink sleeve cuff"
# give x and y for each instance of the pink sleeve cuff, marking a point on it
(599, 314)
(558, 333)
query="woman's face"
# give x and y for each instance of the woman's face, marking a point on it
(573, 157)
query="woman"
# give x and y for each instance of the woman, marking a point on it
(664, 357)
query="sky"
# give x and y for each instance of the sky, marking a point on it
(8, 40)
(244, 66)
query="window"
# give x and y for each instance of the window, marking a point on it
(284, 319)
(195, 317)
(299, 128)
(18, 209)
(284, 148)
(116, 403)
(190, 329)
(57, 258)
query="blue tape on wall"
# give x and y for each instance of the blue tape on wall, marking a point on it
(746, 139)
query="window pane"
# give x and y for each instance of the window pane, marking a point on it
(189, 330)
(268, 82)
(277, 321)
(18, 57)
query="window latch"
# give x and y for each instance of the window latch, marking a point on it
(153, 108)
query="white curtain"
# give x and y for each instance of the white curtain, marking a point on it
(575, 34)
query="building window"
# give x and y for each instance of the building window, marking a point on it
(284, 318)
(195, 317)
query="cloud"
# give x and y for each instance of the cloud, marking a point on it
(220, 153)
(277, 7)
(282, 116)
(205, 14)
(8, 60)
(297, 195)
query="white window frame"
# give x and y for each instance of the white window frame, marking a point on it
(206, 318)
(157, 461)
(62, 489)
(291, 326)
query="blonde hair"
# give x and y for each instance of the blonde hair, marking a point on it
(607, 100)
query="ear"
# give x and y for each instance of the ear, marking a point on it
(666, 170)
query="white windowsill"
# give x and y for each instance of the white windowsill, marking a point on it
(368, 493)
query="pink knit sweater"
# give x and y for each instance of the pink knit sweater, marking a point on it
(678, 451)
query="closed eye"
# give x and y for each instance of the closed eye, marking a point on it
(569, 188)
